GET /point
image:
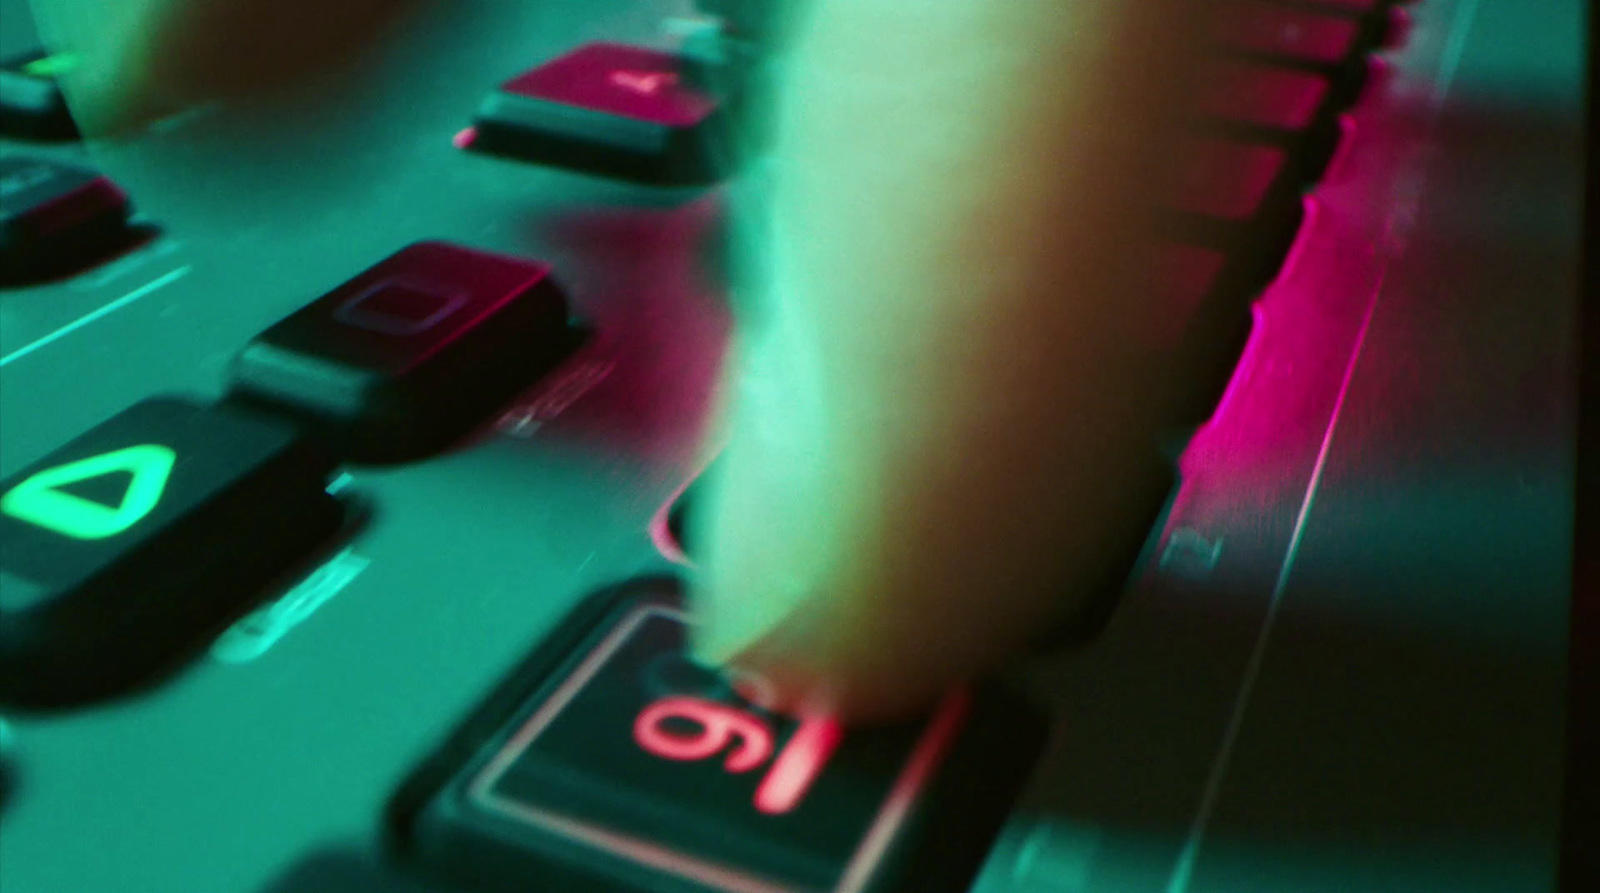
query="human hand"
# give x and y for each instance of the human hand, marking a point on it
(937, 405)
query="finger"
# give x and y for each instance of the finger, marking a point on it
(933, 418)
(143, 58)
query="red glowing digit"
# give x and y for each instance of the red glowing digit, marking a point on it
(798, 765)
(719, 727)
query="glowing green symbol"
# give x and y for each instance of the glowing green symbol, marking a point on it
(38, 502)
(52, 66)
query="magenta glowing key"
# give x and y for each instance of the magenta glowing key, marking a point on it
(629, 82)
(633, 769)
(1227, 180)
(1185, 277)
(1288, 33)
(606, 108)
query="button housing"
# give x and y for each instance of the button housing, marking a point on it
(96, 600)
(610, 109)
(411, 354)
(608, 761)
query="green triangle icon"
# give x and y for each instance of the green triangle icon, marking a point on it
(39, 501)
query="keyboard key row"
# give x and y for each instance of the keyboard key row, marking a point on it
(123, 550)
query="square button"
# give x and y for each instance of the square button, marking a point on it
(399, 308)
(1284, 99)
(53, 215)
(615, 79)
(612, 109)
(633, 769)
(125, 549)
(413, 353)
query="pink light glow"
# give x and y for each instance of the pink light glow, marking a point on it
(465, 138)
(798, 765)
(1250, 358)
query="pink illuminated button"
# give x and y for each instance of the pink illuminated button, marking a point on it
(634, 770)
(1227, 180)
(626, 81)
(1287, 32)
(1263, 95)
(607, 108)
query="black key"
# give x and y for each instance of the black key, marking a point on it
(614, 763)
(1287, 33)
(1284, 107)
(1273, 98)
(1203, 329)
(606, 108)
(54, 216)
(412, 354)
(122, 551)
(1328, 42)
(31, 104)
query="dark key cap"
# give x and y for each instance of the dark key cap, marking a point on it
(122, 551)
(54, 216)
(1287, 33)
(1280, 99)
(412, 354)
(31, 104)
(606, 108)
(617, 765)
(1242, 199)
(1230, 181)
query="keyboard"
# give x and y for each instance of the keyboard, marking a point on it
(345, 476)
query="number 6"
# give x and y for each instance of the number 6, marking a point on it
(719, 727)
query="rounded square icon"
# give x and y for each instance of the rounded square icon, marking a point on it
(398, 307)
